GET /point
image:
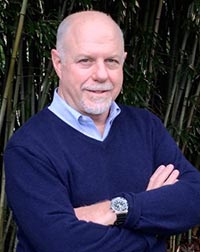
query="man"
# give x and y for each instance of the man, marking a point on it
(88, 175)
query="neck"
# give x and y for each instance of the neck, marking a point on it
(100, 121)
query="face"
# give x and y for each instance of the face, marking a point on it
(91, 71)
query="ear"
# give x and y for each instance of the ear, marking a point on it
(125, 55)
(57, 64)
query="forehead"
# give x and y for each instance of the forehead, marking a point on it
(88, 34)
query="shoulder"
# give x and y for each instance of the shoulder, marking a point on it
(138, 114)
(35, 128)
(140, 121)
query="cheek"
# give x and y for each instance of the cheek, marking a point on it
(79, 77)
(72, 79)
(117, 80)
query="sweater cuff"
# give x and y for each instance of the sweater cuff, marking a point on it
(134, 210)
(133, 218)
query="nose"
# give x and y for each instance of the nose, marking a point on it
(100, 72)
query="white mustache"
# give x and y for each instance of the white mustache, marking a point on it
(98, 87)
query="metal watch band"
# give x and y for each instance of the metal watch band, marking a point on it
(120, 219)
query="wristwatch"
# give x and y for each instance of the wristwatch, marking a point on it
(119, 205)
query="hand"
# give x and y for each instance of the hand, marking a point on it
(99, 213)
(164, 175)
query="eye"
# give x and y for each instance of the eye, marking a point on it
(112, 63)
(85, 62)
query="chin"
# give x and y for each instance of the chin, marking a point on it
(97, 109)
(93, 111)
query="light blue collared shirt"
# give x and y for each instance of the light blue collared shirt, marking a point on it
(82, 123)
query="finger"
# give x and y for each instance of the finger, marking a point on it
(160, 176)
(163, 176)
(154, 177)
(157, 173)
(173, 178)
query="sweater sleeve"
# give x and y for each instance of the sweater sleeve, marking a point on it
(44, 214)
(169, 209)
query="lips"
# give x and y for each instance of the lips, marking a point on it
(98, 89)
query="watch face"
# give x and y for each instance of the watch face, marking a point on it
(119, 205)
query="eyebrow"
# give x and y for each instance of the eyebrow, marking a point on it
(93, 56)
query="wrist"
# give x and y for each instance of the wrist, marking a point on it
(108, 216)
(119, 206)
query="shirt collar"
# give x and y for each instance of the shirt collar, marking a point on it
(77, 120)
(61, 107)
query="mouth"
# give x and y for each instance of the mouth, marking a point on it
(98, 91)
(97, 94)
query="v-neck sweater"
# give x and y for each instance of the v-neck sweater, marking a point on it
(51, 168)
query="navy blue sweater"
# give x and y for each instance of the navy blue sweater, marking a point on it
(52, 168)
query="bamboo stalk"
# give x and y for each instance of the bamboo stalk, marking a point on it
(170, 103)
(173, 54)
(46, 84)
(50, 71)
(191, 114)
(176, 80)
(179, 94)
(156, 28)
(12, 63)
(146, 15)
(173, 243)
(8, 224)
(22, 99)
(189, 84)
(157, 22)
(13, 241)
(16, 94)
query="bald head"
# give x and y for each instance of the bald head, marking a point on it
(89, 62)
(98, 23)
